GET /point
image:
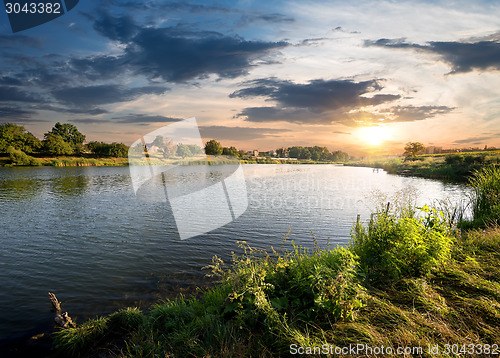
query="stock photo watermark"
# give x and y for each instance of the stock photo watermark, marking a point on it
(170, 164)
(26, 14)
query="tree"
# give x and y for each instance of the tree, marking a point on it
(183, 151)
(195, 149)
(56, 145)
(12, 135)
(230, 151)
(69, 133)
(212, 147)
(412, 149)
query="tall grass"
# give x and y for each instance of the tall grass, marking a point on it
(486, 195)
(402, 245)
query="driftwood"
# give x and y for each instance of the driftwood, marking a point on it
(63, 320)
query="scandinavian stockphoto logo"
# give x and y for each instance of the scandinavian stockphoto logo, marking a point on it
(205, 191)
(25, 14)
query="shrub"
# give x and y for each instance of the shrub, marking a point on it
(485, 199)
(18, 157)
(401, 245)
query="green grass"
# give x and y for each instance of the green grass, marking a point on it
(409, 278)
(455, 167)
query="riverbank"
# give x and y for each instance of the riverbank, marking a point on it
(409, 280)
(454, 167)
(6, 161)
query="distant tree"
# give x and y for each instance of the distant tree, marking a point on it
(12, 135)
(412, 149)
(101, 149)
(56, 145)
(159, 141)
(212, 147)
(195, 150)
(230, 151)
(118, 150)
(282, 152)
(183, 151)
(304, 154)
(339, 156)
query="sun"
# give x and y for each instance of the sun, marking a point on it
(374, 135)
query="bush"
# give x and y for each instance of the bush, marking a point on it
(485, 184)
(18, 157)
(401, 245)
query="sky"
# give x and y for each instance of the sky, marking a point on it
(365, 77)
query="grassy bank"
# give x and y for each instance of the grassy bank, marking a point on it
(409, 278)
(63, 161)
(455, 167)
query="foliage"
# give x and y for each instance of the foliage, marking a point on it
(183, 151)
(212, 147)
(232, 151)
(12, 135)
(56, 145)
(412, 149)
(402, 245)
(101, 149)
(486, 195)
(69, 133)
(18, 157)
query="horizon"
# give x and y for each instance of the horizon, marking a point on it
(364, 78)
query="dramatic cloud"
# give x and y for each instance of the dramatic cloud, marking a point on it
(462, 56)
(116, 28)
(103, 94)
(8, 114)
(317, 95)
(411, 113)
(319, 101)
(13, 94)
(94, 111)
(176, 54)
(477, 139)
(239, 133)
(145, 118)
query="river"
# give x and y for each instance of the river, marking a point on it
(83, 234)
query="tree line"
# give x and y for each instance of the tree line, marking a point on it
(62, 140)
(315, 153)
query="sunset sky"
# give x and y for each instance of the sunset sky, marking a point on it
(364, 76)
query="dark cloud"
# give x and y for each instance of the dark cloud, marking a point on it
(145, 118)
(174, 54)
(274, 18)
(90, 96)
(179, 56)
(319, 101)
(411, 113)
(239, 133)
(14, 94)
(476, 140)
(94, 111)
(16, 41)
(97, 68)
(10, 81)
(462, 56)
(273, 114)
(317, 95)
(8, 114)
(116, 28)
